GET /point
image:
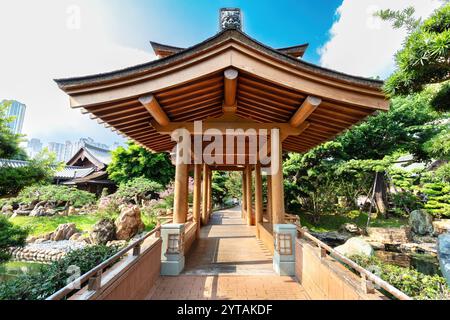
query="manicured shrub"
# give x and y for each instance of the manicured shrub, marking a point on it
(56, 194)
(10, 236)
(138, 189)
(53, 277)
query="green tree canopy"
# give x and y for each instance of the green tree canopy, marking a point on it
(9, 142)
(136, 162)
(425, 57)
(39, 171)
(226, 185)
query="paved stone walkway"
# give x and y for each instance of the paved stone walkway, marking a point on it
(227, 263)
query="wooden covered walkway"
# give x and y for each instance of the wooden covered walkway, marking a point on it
(228, 262)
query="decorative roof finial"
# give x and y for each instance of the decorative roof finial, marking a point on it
(230, 18)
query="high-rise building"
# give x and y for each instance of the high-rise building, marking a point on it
(34, 146)
(58, 149)
(17, 111)
(68, 151)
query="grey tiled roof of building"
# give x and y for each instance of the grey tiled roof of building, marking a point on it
(68, 172)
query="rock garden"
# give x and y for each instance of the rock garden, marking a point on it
(60, 219)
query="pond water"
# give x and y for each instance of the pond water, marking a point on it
(423, 263)
(13, 269)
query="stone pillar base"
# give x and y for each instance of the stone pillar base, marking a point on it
(172, 253)
(172, 268)
(284, 253)
(283, 268)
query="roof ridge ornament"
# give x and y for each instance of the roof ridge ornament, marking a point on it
(230, 18)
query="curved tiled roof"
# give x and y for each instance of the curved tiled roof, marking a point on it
(220, 37)
(68, 172)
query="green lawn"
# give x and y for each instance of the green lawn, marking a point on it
(41, 225)
(334, 222)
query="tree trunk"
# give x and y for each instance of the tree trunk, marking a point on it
(381, 194)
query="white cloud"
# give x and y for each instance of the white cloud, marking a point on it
(363, 45)
(48, 39)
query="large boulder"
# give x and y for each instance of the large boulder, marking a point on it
(444, 255)
(441, 226)
(7, 210)
(355, 247)
(421, 223)
(129, 223)
(64, 232)
(332, 238)
(103, 232)
(40, 211)
(351, 228)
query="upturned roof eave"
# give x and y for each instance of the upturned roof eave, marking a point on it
(98, 79)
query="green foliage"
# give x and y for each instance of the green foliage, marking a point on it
(413, 283)
(345, 168)
(425, 58)
(400, 19)
(10, 236)
(53, 277)
(138, 189)
(225, 186)
(9, 142)
(438, 199)
(39, 171)
(333, 222)
(441, 101)
(403, 127)
(443, 173)
(420, 189)
(57, 194)
(405, 202)
(438, 147)
(136, 162)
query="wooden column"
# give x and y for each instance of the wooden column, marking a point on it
(278, 188)
(205, 195)
(180, 207)
(244, 194)
(197, 196)
(258, 198)
(269, 199)
(210, 202)
(248, 179)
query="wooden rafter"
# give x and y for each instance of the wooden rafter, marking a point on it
(151, 104)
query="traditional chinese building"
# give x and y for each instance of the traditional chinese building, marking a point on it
(95, 160)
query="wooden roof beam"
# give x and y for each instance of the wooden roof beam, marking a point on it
(231, 80)
(151, 104)
(307, 108)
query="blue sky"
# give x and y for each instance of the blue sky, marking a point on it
(185, 23)
(50, 39)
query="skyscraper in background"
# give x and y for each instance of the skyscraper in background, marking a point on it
(34, 146)
(69, 151)
(16, 110)
(58, 149)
